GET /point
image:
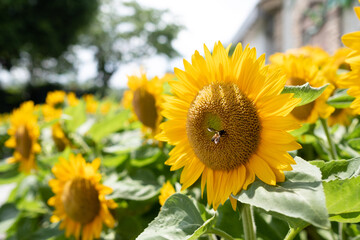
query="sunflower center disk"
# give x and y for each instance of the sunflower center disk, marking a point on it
(23, 141)
(81, 200)
(223, 127)
(145, 108)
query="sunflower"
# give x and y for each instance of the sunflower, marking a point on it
(317, 54)
(54, 104)
(59, 137)
(91, 103)
(300, 70)
(223, 119)
(146, 101)
(79, 199)
(165, 192)
(333, 72)
(72, 99)
(351, 80)
(24, 133)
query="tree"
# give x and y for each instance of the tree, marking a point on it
(118, 37)
(40, 29)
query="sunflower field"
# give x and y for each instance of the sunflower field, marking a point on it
(226, 148)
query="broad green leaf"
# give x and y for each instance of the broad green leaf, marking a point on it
(142, 186)
(11, 174)
(340, 99)
(338, 169)
(300, 131)
(125, 142)
(342, 195)
(305, 92)
(178, 219)
(301, 196)
(48, 124)
(114, 161)
(229, 220)
(353, 217)
(75, 116)
(8, 215)
(354, 143)
(354, 134)
(145, 155)
(107, 126)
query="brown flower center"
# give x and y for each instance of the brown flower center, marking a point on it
(223, 127)
(23, 141)
(303, 112)
(81, 200)
(145, 107)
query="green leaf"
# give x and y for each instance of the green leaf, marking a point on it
(48, 124)
(125, 142)
(301, 196)
(353, 217)
(305, 92)
(114, 161)
(107, 126)
(338, 169)
(8, 215)
(354, 143)
(75, 116)
(11, 174)
(340, 99)
(342, 195)
(178, 219)
(140, 187)
(229, 221)
(145, 155)
(269, 227)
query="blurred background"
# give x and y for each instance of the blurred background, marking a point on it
(90, 46)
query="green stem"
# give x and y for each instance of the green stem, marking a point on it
(333, 152)
(248, 222)
(220, 233)
(340, 231)
(293, 232)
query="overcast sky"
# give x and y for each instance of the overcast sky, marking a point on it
(205, 21)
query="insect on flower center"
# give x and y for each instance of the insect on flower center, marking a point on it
(145, 107)
(223, 127)
(81, 200)
(23, 141)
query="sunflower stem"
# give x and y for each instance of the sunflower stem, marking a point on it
(220, 233)
(332, 148)
(293, 232)
(248, 222)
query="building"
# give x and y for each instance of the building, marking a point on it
(278, 25)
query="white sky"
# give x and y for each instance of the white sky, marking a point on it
(205, 21)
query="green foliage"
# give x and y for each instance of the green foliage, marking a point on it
(306, 92)
(302, 188)
(340, 99)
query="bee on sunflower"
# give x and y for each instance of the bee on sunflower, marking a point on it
(223, 117)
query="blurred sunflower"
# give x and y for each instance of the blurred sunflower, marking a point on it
(79, 199)
(165, 192)
(223, 119)
(333, 71)
(59, 137)
(317, 54)
(72, 99)
(300, 70)
(146, 101)
(351, 79)
(54, 104)
(91, 103)
(24, 133)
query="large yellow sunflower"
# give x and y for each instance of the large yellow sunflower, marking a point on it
(351, 80)
(146, 101)
(24, 133)
(79, 199)
(223, 119)
(300, 70)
